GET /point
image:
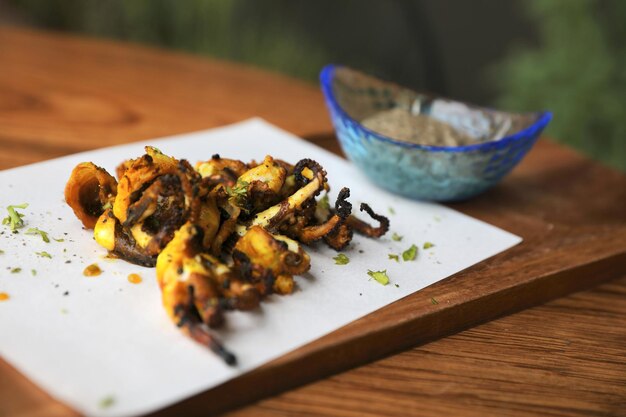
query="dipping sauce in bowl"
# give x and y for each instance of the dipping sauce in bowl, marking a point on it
(420, 146)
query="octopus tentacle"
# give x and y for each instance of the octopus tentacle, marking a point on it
(159, 206)
(220, 170)
(307, 169)
(230, 213)
(164, 186)
(343, 208)
(260, 277)
(366, 229)
(282, 256)
(138, 176)
(215, 286)
(89, 189)
(127, 248)
(314, 180)
(339, 238)
(188, 318)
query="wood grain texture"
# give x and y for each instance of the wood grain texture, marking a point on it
(60, 94)
(564, 358)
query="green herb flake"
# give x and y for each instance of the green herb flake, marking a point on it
(58, 240)
(428, 245)
(341, 259)
(410, 254)
(396, 237)
(1, 252)
(14, 219)
(391, 210)
(16, 270)
(380, 276)
(35, 231)
(238, 193)
(394, 257)
(324, 203)
(107, 205)
(240, 189)
(433, 301)
(397, 286)
(63, 311)
(33, 271)
(44, 254)
(106, 402)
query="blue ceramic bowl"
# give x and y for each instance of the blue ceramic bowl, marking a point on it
(426, 172)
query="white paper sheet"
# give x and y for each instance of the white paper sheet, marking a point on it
(105, 346)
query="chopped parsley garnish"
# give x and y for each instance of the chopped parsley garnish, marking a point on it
(410, 254)
(238, 193)
(391, 210)
(35, 231)
(58, 240)
(240, 189)
(394, 257)
(396, 237)
(43, 254)
(341, 259)
(14, 219)
(1, 251)
(107, 206)
(33, 271)
(16, 270)
(324, 203)
(433, 301)
(106, 402)
(380, 276)
(397, 286)
(428, 245)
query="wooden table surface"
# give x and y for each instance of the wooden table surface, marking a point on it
(60, 95)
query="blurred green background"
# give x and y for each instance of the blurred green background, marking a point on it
(568, 56)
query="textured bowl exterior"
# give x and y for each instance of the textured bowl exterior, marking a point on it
(428, 172)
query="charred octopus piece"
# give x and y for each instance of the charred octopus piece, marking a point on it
(222, 236)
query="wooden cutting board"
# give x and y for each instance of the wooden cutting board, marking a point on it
(571, 213)
(59, 95)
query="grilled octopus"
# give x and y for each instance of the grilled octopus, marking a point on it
(223, 234)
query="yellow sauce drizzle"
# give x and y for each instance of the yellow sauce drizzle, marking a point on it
(92, 270)
(134, 278)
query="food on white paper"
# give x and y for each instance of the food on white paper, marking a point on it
(222, 235)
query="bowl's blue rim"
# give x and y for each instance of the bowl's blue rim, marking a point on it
(326, 77)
